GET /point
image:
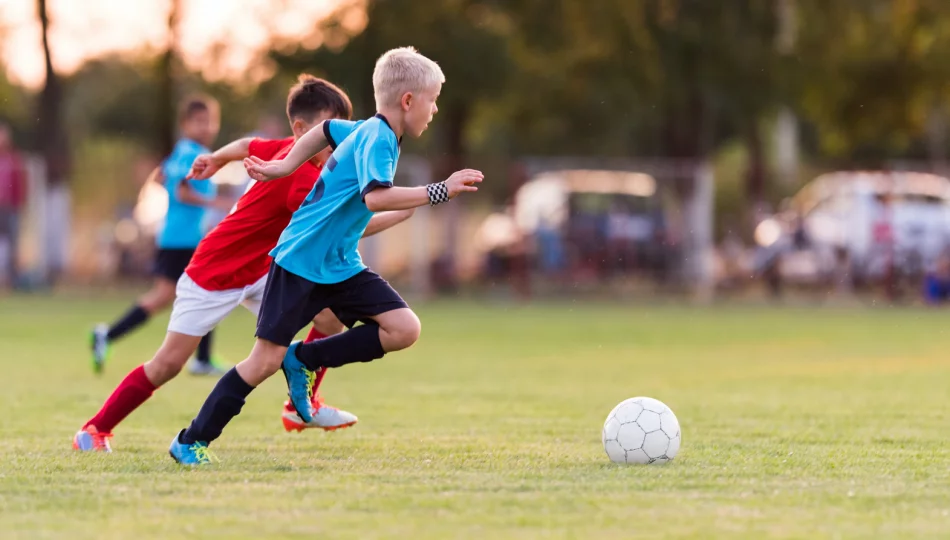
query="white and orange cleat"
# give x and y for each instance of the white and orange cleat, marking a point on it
(325, 417)
(89, 439)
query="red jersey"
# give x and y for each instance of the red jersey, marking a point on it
(235, 253)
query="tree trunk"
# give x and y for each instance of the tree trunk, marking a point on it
(51, 137)
(755, 174)
(166, 99)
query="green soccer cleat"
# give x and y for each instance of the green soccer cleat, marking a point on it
(99, 344)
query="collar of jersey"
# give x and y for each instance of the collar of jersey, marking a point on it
(385, 121)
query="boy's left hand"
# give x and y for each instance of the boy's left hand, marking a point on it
(463, 181)
(262, 171)
(203, 168)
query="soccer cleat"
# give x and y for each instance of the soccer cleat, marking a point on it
(100, 347)
(196, 453)
(299, 382)
(214, 367)
(325, 417)
(88, 439)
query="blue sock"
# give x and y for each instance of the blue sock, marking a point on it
(360, 344)
(223, 404)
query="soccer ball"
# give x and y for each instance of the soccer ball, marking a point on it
(641, 430)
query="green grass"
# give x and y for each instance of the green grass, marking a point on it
(797, 423)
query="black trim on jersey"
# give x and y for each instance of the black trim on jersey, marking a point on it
(326, 133)
(373, 185)
(385, 121)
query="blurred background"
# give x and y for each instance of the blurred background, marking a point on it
(631, 147)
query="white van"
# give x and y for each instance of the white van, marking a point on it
(873, 218)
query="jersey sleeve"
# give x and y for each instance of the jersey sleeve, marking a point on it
(375, 163)
(336, 130)
(265, 149)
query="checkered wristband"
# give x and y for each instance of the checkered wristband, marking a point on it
(438, 193)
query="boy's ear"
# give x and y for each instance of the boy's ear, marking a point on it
(406, 101)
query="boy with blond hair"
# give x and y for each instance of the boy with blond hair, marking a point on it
(316, 262)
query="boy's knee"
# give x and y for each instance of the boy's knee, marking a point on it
(405, 332)
(170, 358)
(162, 369)
(269, 363)
(264, 361)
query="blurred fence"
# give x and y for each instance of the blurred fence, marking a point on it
(590, 232)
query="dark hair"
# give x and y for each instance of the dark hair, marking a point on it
(312, 95)
(196, 104)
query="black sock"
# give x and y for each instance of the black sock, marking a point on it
(360, 344)
(130, 321)
(223, 404)
(204, 349)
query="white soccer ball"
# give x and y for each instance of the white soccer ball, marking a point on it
(641, 430)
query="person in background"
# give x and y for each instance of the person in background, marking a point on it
(12, 200)
(199, 121)
(937, 283)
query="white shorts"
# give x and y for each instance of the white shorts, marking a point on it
(197, 311)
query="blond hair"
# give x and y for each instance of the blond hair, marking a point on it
(403, 70)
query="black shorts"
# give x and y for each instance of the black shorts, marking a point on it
(291, 302)
(171, 263)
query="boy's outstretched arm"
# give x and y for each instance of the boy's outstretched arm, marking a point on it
(185, 194)
(307, 146)
(385, 220)
(206, 165)
(382, 198)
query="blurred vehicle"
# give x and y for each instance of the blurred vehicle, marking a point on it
(594, 221)
(867, 225)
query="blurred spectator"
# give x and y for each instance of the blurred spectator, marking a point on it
(937, 283)
(550, 250)
(12, 199)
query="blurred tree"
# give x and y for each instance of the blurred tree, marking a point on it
(872, 73)
(167, 66)
(653, 77)
(51, 134)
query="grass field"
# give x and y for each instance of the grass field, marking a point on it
(797, 423)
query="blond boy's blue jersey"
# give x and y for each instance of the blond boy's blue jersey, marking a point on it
(183, 222)
(320, 243)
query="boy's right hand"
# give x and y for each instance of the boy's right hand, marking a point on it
(262, 171)
(203, 168)
(463, 181)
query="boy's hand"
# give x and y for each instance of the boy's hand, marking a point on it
(262, 171)
(463, 181)
(203, 168)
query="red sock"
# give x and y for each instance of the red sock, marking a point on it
(314, 335)
(133, 391)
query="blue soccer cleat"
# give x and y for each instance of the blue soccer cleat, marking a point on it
(299, 382)
(196, 453)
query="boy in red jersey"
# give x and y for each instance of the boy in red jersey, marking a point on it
(230, 266)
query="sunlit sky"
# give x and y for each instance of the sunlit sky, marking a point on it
(83, 29)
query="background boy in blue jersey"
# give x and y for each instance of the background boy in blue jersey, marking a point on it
(199, 121)
(316, 262)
